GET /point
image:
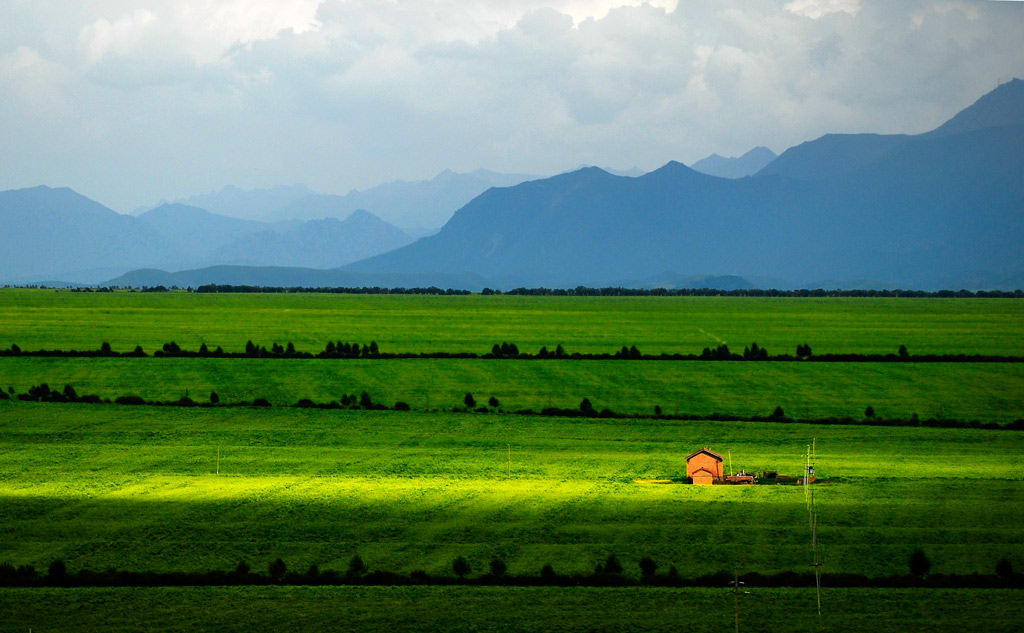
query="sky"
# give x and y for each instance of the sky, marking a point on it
(131, 102)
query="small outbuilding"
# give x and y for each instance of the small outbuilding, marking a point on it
(705, 467)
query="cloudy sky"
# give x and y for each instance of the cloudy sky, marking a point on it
(131, 101)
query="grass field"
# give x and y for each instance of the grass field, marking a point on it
(37, 319)
(472, 609)
(134, 488)
(967, 391)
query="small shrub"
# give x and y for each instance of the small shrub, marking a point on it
(919, 563)
(214, 398)
(493, 402)
(129, 399)
(547, 573)
(469, 401)
(57, 571)
(498, 567)
(648, 567)
(356, 567)
(401, 406)
(612, 565)
(869, 412)
(277, 570)
(1004, 568)
(461, 567)
(261, 402)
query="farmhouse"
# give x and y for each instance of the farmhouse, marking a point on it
(704, 467)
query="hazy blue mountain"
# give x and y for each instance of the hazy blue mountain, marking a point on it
(250, 204)
(409, 205)
(52, 234)
(194, 233)
(747, 165)
(58, 235)
(632, 172)
(834, 155)
(291, 277)
(917, 211)
(326, 243)
(999, 108)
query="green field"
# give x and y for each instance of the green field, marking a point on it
(134, 488)
(472, 609)
(36, 319)
(966, 391)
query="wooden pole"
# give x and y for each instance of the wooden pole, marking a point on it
(736, 596)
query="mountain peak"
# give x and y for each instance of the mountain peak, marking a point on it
(747, 165)
(1002, 107)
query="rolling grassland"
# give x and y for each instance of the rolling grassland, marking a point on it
(147, 488)
(48, 319)
(103, 486)
(965, 391)
(486, 609)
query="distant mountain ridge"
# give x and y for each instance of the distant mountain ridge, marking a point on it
(57, 235)
(248, 204)
(941, 209)
(913, 211)
(290, 277)
(326, 243)
(410, 205)
(746, 165)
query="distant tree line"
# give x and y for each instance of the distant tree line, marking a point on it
(583, 291)
(506, 350)
(364, 290)
(607, 573)
(43, 393)
(578, 291)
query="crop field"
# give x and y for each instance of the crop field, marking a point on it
(36, 319)
(484, 609)
(966, 391)
(146, 488)
(135, 488)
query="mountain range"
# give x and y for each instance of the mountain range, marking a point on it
(418, 207)
(747, 165)
(940, 209)
(58, 235)
(943, 209)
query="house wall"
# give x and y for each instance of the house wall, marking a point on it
(705, 461)
(703, 478)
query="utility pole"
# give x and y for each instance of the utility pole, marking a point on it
(736, 596)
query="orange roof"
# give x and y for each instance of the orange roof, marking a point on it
(708, 451)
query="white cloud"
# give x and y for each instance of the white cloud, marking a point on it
(819, 8)
(179, 96)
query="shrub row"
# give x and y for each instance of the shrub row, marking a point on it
(505, 350)
(43, 393)
(607, 574)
